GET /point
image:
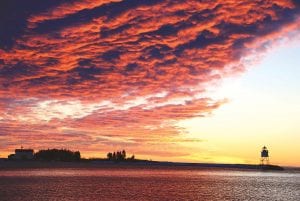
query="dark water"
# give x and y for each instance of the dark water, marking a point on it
(146, 184)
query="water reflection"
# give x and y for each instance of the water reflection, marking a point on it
(147, 184)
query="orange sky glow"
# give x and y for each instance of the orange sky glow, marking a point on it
(144, 75)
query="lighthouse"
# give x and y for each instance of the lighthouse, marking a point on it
(264, 156)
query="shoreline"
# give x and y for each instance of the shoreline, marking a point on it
(5, 164)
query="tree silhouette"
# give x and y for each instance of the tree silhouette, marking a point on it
(57, 155)
(118, 156)
(109, 156)
(123, 154)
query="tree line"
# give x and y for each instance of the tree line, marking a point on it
(119, 156)
(68, 156)
(57, 155)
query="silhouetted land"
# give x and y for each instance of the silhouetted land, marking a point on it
(57, 155)
(45, 155)
(119, 156)
(56, 158)
(104, 163)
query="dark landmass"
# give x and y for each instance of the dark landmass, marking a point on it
(64, 158)
(57, 155)
(136, 163)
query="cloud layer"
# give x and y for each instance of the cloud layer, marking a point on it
(102, 74)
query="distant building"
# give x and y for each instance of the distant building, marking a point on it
(22, 154)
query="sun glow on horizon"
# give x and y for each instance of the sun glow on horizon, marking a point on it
(262, 110)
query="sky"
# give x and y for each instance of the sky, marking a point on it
(184, 80)
(263, 109)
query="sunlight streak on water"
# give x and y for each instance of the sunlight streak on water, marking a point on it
(147, 184)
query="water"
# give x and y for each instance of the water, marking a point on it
(146, 184)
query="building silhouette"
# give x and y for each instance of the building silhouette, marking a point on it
(22, 154)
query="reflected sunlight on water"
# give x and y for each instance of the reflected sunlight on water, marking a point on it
(147, 184)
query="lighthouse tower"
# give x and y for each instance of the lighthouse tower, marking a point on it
(264, 156)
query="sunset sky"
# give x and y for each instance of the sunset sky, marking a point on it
(170, 80)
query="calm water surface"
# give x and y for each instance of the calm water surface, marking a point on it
(146, 184)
